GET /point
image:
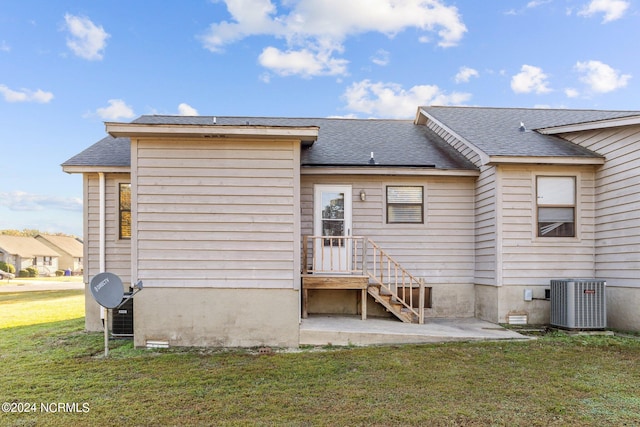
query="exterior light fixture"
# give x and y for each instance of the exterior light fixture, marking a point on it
(363, 195)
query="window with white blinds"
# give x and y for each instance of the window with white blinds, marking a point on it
(405, 205)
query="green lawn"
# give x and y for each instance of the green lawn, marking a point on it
(555, 380)
(30, 308)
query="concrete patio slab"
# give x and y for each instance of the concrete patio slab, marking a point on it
(352, 330)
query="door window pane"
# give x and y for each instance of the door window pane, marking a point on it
(332, 217)
(333, 205)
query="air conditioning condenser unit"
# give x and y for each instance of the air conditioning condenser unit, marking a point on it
(578, 303)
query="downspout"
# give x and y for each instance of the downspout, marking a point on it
(102, 232)
(102, 222)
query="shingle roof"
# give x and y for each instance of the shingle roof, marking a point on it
(349, 142)
(108, 151)
(341, 142)
(25, 246)
(68, 244)
(496, 130)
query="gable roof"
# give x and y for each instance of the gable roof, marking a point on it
(496, 131)
(69, 245)
(25, 247)
(340, 142)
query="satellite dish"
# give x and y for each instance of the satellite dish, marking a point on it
(107, 290)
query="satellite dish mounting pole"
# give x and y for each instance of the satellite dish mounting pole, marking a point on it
(106, 332)
(107, 290)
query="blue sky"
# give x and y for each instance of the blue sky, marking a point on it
(68, 66)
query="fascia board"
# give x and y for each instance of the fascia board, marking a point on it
(600, 124)
(304, 133)
(375, 170)
(493, 160)
(95, 169)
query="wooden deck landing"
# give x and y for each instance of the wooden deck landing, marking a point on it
(318, 281)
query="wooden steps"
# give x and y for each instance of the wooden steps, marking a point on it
(391, 303)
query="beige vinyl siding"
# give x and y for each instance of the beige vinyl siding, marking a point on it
(486, 232)
(441, 250)
(617, 195)
(118, 252)
(214, 213)
(530, 260)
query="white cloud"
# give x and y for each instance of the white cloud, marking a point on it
(530, 79)
(117, 109)
(612, 9)
(535, 3)
(314, 30)
(600, 77)
(302, 62)
(465, 74)
(571, 92)
(4, 46)
(25, 95)
(22, 201)
(187, 110)
(391, 100)
(86, 39)
(381, 57)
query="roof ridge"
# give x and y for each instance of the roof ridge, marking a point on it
(206, 116)
(477, 107)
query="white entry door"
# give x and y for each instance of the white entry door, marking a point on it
(332, 217)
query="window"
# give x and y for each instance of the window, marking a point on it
(556, 197)
(405, 205)
(47, 260)
(125, 211)
(333, 220)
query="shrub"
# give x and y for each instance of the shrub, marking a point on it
(9, 268)
(33, 272)
(59, 273)
(23, 273)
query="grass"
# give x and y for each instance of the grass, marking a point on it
(554, 380)
(28, 308)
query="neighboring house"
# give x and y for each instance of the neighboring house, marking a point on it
(215, 214)
(25, 252)
(69, 248)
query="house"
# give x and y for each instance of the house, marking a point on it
(25, 252)
(69, 248)
(238, 226)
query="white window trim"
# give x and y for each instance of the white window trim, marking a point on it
(577, 213)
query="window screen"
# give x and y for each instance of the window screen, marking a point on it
(405, 205)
